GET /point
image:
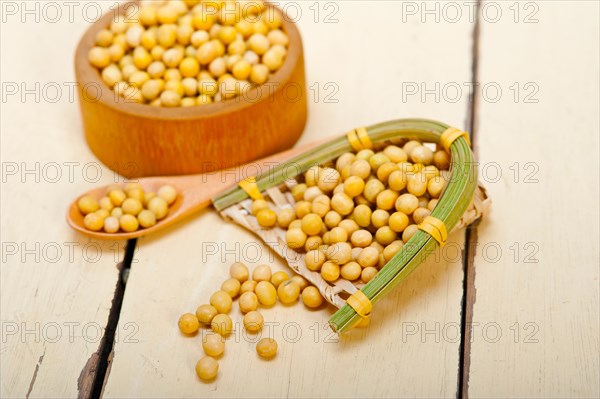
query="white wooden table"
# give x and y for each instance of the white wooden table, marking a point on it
(514, 313)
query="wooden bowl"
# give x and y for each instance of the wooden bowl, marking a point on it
(141, 140)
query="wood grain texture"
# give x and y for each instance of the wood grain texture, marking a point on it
(535, 318)
(139, 140)
(56, 286)
(311, 362)
(412, 346)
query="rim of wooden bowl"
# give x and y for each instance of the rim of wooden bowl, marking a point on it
(88, 74)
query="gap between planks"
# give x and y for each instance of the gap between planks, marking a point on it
(90, 383)
(469, 290)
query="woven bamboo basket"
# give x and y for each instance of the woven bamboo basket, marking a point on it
(462, 202)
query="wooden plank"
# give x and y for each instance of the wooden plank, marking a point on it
(535, 316)
(57, 286)
(365, 56)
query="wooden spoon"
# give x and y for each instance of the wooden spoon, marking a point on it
(194, 192)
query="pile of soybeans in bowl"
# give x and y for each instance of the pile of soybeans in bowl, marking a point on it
(185, 53)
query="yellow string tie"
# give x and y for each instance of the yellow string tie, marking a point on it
(364, 138)
(354, 140)
(360, 303)
(450, 135)
(435, 228)
(251, 188)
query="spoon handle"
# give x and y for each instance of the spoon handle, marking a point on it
(198, 190)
